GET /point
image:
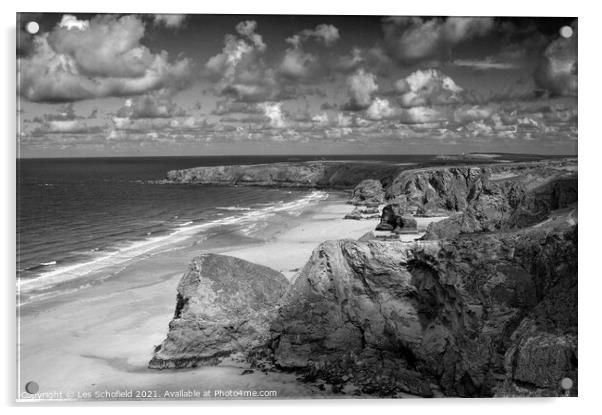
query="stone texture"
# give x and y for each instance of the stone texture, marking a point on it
(318, 174)
(368, 192)
(395, 218)
(439, 190)
(509, 204)
(224, 305)
(398, 317)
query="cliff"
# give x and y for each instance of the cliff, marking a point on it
(318, 174)
(490, 314)
(440, 190)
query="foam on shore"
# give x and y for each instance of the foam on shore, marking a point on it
(130, 250)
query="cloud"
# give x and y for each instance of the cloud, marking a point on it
(234, 107)
(101, 57)
(171, 21)
(67, 127)
(325, 33)
(557, 69)
(298, 64)
(424, 115)
(464, 115)
(155, 105)
(273, 111)
(380, 109)
(239, 69)
(484, 64)
(64, 112)
(428, 87)
(321, 120)
(63, 121)
(414, 39)
(373, 58)
(361, 86)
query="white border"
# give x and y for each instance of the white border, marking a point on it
(590, 155)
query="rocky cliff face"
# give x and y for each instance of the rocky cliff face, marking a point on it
(432, 191)
(319, 174)
(473, 316)
(223, 306)
(509, 204)
(368, 192)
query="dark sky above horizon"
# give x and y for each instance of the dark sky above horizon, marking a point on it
(128, 85)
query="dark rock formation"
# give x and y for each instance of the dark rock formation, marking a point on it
(461, 314)
(509, 204)
(435, 191)
(224, 306)
(394, 218)
(318, 174)
(368, 192)
(388, 220)
(359, 214)
(406, 224)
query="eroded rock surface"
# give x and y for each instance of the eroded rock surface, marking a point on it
(368, 192)
(318, 174)
(394, 316)
(224, 306)
(440, 190)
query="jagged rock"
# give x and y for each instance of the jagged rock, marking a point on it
(507, 205)
(224, 306)
(368, 192)
(437, 191)
(389, 216)
(394, 218)
(401, 316)
(406, 224)
(368, 236)
(359, 214)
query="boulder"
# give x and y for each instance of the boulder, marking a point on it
(389, 216)
(355, 214)
(368, 192)
(359, 214)
(224, 306)
(405, 224)
(394, 218)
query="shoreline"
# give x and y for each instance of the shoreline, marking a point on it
(102, 336)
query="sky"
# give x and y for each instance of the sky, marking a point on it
(146, 85)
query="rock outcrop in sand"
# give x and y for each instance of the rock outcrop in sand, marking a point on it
(224, 306)
(394, 218)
